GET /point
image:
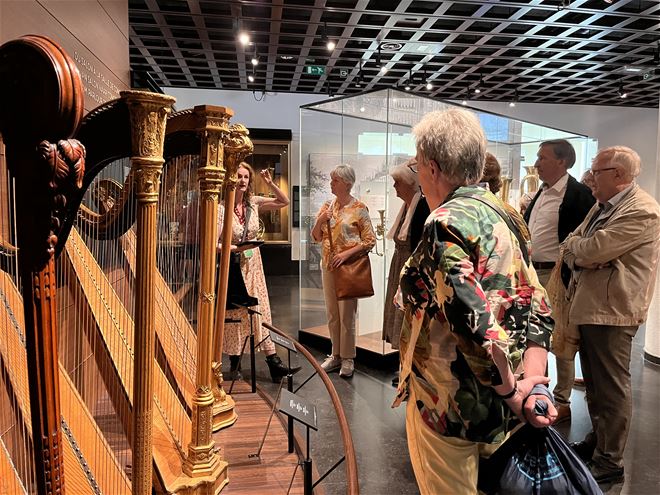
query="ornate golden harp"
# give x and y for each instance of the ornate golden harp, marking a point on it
(108, 284)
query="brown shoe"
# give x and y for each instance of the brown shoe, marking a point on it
(563, 414)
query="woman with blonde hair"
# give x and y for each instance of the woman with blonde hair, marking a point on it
(245, 226)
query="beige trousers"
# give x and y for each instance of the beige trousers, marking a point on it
(341, 319)
(442, 465)
(565, 367)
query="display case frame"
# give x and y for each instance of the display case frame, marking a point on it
(372, 132)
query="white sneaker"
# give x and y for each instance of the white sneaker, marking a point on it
(331, 363)
(347, 368)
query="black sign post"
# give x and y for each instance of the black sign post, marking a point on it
(295, 407)
(290, 347)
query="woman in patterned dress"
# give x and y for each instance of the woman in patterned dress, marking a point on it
(246, 210)
(352, 233)
(406, 233)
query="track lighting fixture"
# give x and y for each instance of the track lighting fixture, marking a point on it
(622, 91)
(358, 81)
(379, 62)
(251, 77)
(467, 96)
(513, 102)
(480, 84)
(255, 56)
(241, 35)
(407, 86)
(329, 44)
(429, 85)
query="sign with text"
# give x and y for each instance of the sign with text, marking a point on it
(283, 341)
(298, 408)
(315, 70)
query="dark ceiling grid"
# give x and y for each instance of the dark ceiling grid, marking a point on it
(571, 55)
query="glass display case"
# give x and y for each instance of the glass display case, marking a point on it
(371, 132)
(274, 156)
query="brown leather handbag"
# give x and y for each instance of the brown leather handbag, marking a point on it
(353, 277)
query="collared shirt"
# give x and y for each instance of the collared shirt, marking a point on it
(465, 289)
(605, 207)
(544, 221)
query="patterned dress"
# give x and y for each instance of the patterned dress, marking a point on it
(465, 289)
(252, 269)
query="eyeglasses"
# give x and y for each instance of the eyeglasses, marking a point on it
(413, 167)
(598, 171)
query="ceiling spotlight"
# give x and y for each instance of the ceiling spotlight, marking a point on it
(329, 44)
(480, 84)
(358, 81)
(407, 86)
(243, 38)
(429, 86)
(251, 78)
(622, 91)
(362, 109)
(255, 56)
(513, 102)
(379, 62)
(467, 96)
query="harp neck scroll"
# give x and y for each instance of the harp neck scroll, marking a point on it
(37, 116)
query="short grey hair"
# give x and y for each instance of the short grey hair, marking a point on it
(345, 173)
(562, 149)
(403, 173)
(454, 139)
(624, 157)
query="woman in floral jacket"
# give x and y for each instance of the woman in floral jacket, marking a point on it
(477, 328)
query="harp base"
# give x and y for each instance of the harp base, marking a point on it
(224, 413)
(204, 483)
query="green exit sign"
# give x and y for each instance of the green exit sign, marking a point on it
(315, 70)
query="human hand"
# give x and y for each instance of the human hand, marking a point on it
(339, 259)
(324, 215)
(265, 175)
(524, 409)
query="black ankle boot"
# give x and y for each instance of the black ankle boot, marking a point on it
(277, 368)
(235, 368)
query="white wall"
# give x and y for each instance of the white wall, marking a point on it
(633, 127)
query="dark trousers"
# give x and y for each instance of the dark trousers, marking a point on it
(605, 358)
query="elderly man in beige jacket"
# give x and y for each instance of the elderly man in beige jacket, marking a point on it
(613, 256)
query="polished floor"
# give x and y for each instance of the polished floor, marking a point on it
(379, 431)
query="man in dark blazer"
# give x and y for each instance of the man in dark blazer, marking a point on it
(557, 209)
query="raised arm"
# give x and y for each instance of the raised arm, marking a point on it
(279, 201)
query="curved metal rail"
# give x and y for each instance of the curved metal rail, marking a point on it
(352, 487)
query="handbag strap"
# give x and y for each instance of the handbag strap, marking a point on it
(248, 211)
(507, 219)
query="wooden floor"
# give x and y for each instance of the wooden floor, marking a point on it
(273, 471)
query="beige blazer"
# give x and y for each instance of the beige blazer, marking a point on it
(626, 241)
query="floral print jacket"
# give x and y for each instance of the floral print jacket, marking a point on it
(464, 289)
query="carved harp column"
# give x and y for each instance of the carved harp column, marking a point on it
(41, 98)
(237, 147)
(148, 113)
(202, 460)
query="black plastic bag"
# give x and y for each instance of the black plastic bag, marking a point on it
(536, 461)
